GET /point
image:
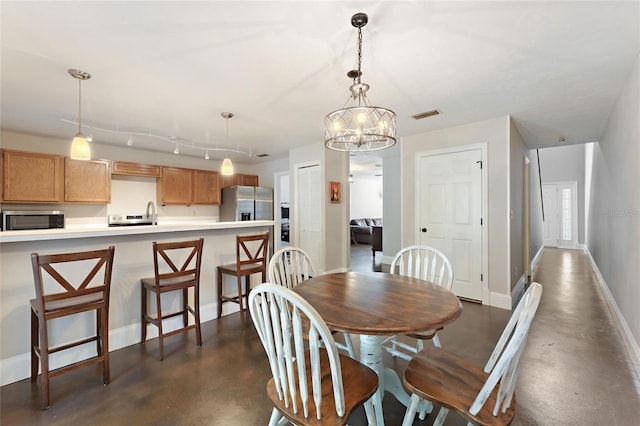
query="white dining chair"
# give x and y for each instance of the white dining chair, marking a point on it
(312, 383)
(482, 397)
(429, 264)
(290, 266)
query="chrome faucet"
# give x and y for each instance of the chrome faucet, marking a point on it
(151, 206)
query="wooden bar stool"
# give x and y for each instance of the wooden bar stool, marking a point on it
(251, 258)
(83, 291)
(188, 254)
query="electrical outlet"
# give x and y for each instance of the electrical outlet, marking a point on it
(193, 213)
(516, 271)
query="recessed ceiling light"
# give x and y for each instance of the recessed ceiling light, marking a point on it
(426, 114)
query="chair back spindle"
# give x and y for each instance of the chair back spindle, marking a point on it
(290, 266)
(277, 314)
(424, 262)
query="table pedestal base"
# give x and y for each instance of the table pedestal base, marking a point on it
(388, 380)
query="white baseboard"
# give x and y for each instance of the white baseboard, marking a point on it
(387, 260)
(536, 259)
(518, 290)
(500, 300)
(621, 324)
(18, 367)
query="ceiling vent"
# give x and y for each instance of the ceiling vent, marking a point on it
(426, 114)
(262, 155)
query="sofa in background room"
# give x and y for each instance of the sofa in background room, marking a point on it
(361, 229)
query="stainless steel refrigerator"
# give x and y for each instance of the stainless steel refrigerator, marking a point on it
(246, 203)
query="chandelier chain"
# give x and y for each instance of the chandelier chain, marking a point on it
(359, 54)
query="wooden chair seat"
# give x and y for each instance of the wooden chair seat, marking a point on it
(425, 335)
(176, 268)
(360, 383)
(168, 283)
(482, 396)
(76, 304)
(61, 293)
(445, 379)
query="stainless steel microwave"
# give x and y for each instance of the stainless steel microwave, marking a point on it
(30, 219)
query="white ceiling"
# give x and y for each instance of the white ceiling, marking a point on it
(171, 68)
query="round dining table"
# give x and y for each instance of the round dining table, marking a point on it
(376, 305)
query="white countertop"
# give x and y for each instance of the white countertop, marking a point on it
(88, 231)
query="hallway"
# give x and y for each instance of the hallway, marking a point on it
(574, 370)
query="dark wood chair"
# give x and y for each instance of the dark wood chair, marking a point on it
(482, 397)
(83, 290)
(251, 258)
(169, 277)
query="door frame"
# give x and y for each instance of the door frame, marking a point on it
(484, 232)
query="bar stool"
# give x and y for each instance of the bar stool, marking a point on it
(177, 278)
(82, 293)
(251, 258)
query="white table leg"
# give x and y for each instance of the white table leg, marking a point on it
(388, 380)
(371, 356)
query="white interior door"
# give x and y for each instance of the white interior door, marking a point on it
(307, 222)
(450, 214)
(568, 214)
(550, 224)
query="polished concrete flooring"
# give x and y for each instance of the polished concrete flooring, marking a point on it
(575, 370)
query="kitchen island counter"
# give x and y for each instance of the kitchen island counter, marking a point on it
(133, 260)
(107, 231)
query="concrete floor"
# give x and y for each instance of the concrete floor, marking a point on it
(575, 369)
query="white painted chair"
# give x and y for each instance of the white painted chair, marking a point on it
(311, 385)
(290, 266)
(429, 264)
(482, 397)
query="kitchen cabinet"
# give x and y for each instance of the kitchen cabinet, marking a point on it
(239, 179)
(179, 186)
(32, 177)
(127, 168)
(206, 187)
(87, 181)
(176, 186)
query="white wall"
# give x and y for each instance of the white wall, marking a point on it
(393, 218)
(614, 210)
(566, 164)
(366, 198)
(494, 132)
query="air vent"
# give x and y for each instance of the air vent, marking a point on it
(426, 114)
(262, 155)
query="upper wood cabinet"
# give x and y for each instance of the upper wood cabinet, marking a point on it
(176, 186)
(188, 186)
(239, 179)
(135, 169)
(207, 187)
(32, 177)
(87, 181)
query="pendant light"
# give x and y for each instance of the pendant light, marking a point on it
(227, 165)
(80, 147)
(360, 127)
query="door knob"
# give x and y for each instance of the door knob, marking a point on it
(423, 229)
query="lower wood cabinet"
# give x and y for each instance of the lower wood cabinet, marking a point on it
(87, 181)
